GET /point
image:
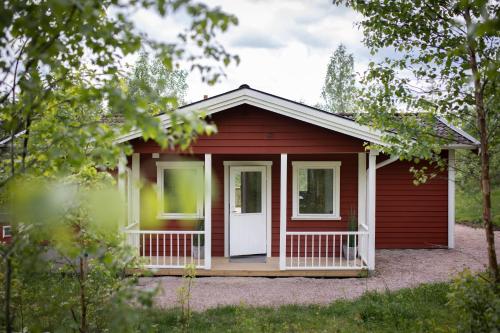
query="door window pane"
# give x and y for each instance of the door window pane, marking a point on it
(248, 192)
(315, 191)
(180, 188)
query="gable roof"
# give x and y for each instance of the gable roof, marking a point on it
(341, 123)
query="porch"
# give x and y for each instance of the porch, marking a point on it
(270, 186)
(309, 254)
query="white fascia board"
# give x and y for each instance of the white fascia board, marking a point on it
(279, 106)
(461, 132)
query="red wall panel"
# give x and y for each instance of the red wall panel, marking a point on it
(410, 216)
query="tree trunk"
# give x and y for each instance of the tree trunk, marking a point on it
(484, 154)
(83, 302)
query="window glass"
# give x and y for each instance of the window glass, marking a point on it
(315, 191)
(180, 187)
(248, 192)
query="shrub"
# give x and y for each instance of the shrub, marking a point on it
(477, 299)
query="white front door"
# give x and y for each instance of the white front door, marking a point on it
(247, 210)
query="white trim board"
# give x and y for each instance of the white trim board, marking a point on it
(277, 105)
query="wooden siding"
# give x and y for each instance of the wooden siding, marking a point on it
(246, 129)
(410, 216)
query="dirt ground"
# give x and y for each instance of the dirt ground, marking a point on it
(395, 269)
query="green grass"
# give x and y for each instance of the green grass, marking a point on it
(469, 207)
(422, 309)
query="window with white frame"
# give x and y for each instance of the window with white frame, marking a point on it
(180, 189)
(316, 190)
(6, 231)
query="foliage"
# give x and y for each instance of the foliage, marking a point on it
(468, 206)
(184, 297)
(445, 64)
(61, 82)
(423, 309)
(477, 299)
(61, 73)
(339, 90)
(70, 272)
(151, 77)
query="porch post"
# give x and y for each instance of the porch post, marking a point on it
(208, 211)
(451, 199)
(372, 191)
(283, 197)
(122, 167)
(361, 188)
(136, 191)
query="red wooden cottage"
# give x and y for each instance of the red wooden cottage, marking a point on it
(281, 189)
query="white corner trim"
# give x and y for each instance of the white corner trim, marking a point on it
(283, 199)
(451, 199)
(335, 166)
(372, 194)
(5, 233)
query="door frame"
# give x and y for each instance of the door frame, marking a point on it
(268, 165)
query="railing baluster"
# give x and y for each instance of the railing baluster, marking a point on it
(298, 251)
(164, 255)
(312, 251)
(326, 250)
(143, 245)
(185, 246)
(199, 254)
(157, 252)
(305, 253)
(319, 251)
(178, 263)
(171, 254)
(291, 250)
(340, 250)
(150, 250)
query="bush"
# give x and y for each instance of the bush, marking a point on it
(477, 299)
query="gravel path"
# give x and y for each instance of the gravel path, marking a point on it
(395, 269)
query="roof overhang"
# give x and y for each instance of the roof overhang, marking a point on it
(274, 104)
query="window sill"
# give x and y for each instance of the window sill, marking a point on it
(313, 218)
(179, 217)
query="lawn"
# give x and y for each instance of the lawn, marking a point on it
(469, 207)
(422, 309)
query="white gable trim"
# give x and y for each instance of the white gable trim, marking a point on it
(277, 105)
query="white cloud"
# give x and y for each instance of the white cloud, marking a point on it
(284, 46)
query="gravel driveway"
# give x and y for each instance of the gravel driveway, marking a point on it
(395, 269)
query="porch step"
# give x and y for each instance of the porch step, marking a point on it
(223, 267)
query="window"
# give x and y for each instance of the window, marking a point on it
(248, 192)
(180, 190)
(316, 190)
(6, 231)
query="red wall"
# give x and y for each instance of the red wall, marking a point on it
(410, 216)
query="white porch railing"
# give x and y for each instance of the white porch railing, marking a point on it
(168, 249)
(326, 250)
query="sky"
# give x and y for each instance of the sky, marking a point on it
(284, 45)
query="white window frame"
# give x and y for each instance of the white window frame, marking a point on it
(5, 227)
(335, 166)
(195, 165)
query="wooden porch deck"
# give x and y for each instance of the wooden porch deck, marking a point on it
(222, 266)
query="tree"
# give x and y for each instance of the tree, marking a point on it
(60, 76)
(445, 64)
(152, 77)
(339, 89)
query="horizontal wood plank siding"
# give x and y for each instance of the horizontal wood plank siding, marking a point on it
(410, 216)
(246, 129)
